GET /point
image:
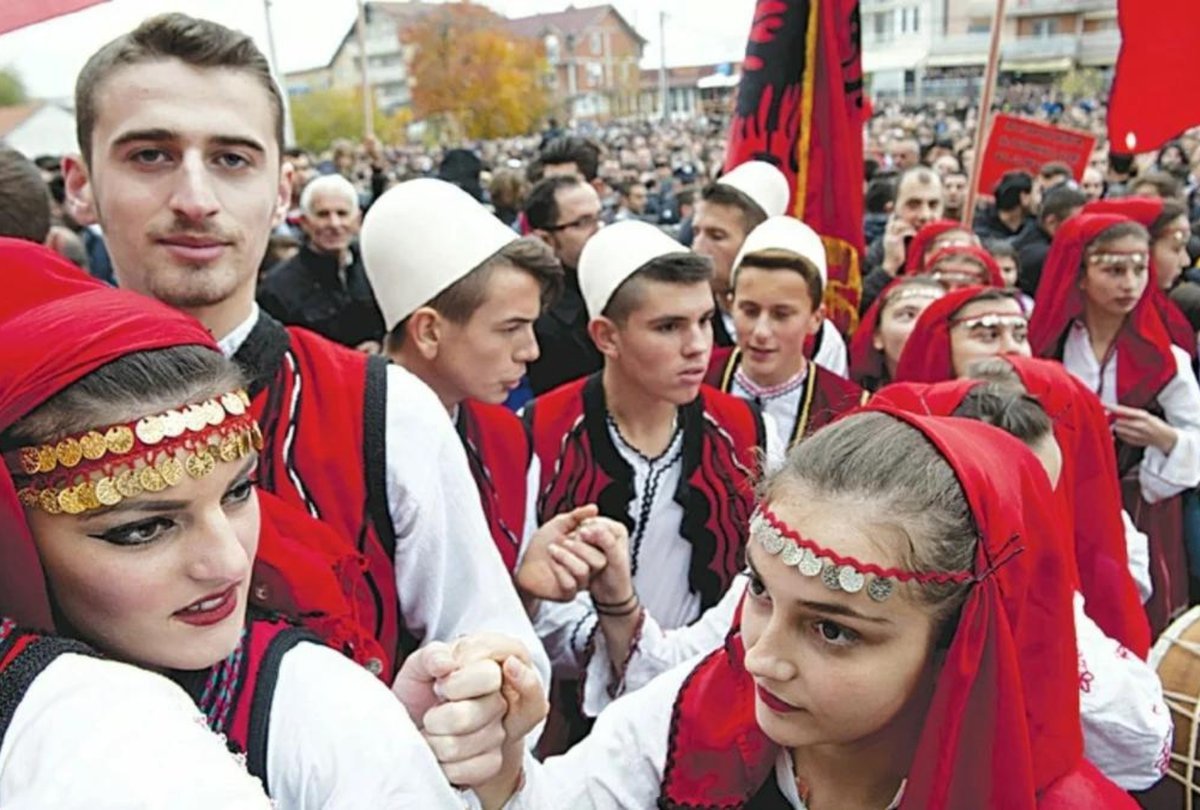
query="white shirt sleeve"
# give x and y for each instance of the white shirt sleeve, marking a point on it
(533, 480)
(1126, 722)
(619, 765)
(449, 574)
(1164, 475)
(656, 650)
(832, 355)
(1137, 545)
(98, 735)
(340, 740)
(776, 449)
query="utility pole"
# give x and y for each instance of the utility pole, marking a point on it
(368, 98)
(289, 131)
(662, 68)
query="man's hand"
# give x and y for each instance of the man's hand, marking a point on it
(556, 566)
(613, 582)
(894, 247)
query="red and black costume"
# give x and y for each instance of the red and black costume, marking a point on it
(499, 450)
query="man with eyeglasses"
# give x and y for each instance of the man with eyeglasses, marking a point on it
(564, 212)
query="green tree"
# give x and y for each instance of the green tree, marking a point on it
(12, 87)
(323, 116)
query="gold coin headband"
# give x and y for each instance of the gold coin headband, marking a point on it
(836, 572)
(100, 468)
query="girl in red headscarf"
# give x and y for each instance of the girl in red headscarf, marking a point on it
(1096, 314)
(1126, 724)
(881, 657)
(958, 266)
(130, 520)
(933, 237)
(881, 334)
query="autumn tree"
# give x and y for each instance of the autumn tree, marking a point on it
(322, 116)
(472, 77)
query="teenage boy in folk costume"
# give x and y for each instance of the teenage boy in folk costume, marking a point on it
(460, 294)
(727, 212)
(180, 127)
(650, 444)
(778, 280)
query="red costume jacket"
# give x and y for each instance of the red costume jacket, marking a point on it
(499, 450)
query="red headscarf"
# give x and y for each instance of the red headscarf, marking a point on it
(995, 276)
(868, 365)
(1146, 210)
(914, 260)
(56, 327)
(1088, 485)
(926, 356)
(1145, 363)
(1003, 727)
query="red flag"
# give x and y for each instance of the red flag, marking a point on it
(800, 107)
(1154, 97)
(16, 14)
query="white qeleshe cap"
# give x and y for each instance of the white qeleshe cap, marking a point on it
(614, 254)
(761, 182)
(422, 236)
(785, 233)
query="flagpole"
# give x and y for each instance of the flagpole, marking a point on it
(289, 131)
(368, 101)
(985, 112)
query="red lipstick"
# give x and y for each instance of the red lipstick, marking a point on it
(211, 609)
(775, 704)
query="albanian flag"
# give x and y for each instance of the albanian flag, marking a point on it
(1154, 97)
(16, 14)
(800, 107)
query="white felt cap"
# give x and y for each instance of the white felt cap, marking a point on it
(614, 254)
(761, 182)
(422, 236)
(785, 233)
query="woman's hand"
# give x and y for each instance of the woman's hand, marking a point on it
(1142, 428)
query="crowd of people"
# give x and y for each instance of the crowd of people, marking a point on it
(533, 475)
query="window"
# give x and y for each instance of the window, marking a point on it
(597, 42)
(551, 42)
(916, 19)
(1045, 28)
(979, 25)
(904, 21)
(885, 26)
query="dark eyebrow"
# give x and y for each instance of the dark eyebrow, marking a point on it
(830, 608)
(159, 134)
(141, 505)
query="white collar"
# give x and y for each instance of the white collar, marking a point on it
(230, 344)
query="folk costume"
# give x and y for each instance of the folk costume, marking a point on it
(1002, 729)
(409, 272)
(1103, 537)
(990, 269)
(1143, 369)
(914, 260)
(1126, 722)
(814, 396)
(868, 365)
(270, 697)
(686, 510)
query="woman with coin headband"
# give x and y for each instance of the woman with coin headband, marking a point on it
(130, 521)
(875, 661)
(1096, 314)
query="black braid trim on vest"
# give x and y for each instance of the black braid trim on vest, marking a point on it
(21, 672)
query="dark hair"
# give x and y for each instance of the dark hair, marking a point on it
(874, 458)
(24, 199)
(541, 206)
(719, 193)
(195, 42)
(583, 152)
(1115, 232)
(1060, 201)
(1003, 249)
(295, 152)
(1165, 185)
(880, 192)
(1120, 162)
(458, 302)
(1055, 168)
(1186, 296)
(781, 259)
(1010, 188)
(1009, 408)
(672, 268)
(987, 294)
(1172, 210)
(128, 388)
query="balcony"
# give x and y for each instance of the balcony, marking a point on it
(1056, 46)
(1029, 8)
(1016, 53)
(1099, 48)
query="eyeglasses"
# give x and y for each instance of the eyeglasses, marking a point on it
(585, 222)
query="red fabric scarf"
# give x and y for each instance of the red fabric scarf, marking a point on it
(914, 260)
(995, 277)
(926, 356)
(1144, 360)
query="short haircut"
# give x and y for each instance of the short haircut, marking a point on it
(1060, 201)
(24, 198)
(1165, 185)
(779, 259)
(328, 183)
(922, 174)
(1172, 210)
(541, 206)
(625, 189)
(1055, 168)
(1120, 162)
(672, 268)
(1010, 188)
(880, 192)
(583, 152)
(719, 193)
(195, 42)
(458, 302)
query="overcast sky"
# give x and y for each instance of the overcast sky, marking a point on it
(49, 55)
